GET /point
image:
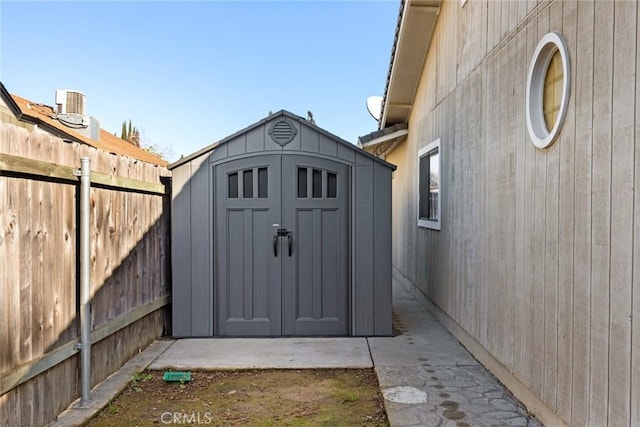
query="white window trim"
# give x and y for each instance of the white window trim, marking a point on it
(536, 126)
(434, 225)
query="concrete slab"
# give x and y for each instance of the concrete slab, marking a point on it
(398, 351)
(261, 353)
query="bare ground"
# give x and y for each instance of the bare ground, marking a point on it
(331, 397)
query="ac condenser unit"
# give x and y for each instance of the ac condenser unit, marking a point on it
(71, 102)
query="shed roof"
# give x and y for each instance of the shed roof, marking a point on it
(303, 122)
(44, 116)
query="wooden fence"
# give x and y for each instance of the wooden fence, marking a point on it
(39, 268)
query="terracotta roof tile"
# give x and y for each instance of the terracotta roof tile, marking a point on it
(108, 142)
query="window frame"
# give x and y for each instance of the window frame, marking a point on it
(422, 153)
(536, 126)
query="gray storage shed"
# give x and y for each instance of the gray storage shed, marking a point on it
(281, 229)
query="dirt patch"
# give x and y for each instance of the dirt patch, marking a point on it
(332, 397)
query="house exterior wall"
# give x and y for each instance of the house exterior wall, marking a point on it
(6, 116)
(369, 219)
(538, 259)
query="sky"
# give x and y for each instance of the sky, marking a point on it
(188, 74)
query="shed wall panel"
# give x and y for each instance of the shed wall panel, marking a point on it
(255, 140)
(218, 154)
(347, 154)
(363, 276)
(181, 250)
(201, 256)
(237, 146)
(382, 307)
(328, 146)
(309, 141)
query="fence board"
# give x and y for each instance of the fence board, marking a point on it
(23, 165)
(25, 238)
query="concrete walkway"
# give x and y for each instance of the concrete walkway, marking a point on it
(429, 379)
(426, 376)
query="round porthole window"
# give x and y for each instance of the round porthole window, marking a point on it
(548, 84)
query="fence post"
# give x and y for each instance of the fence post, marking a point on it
(85, 284)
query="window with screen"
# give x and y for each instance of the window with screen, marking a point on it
(429, 186)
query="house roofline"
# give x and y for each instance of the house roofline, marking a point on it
(414, 30)
(24, 113)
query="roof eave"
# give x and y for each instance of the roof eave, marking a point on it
(382, 142)
(416, 22)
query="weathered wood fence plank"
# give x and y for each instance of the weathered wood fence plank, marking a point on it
(23, 165)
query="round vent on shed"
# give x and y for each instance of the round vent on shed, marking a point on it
(282, 131)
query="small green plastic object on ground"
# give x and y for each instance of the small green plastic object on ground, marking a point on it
(182, 377)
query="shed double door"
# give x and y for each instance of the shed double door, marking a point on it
(281, 247)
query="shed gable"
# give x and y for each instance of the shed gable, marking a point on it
(283, 132)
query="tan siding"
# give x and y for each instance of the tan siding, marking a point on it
(565, 231)
(511, 323)
(583, 217)
(635, 291)
(520, 143)
(536, 254)
(551, 243)
(622, 144)
(539, 244)
(529, 231)
(493, 23)
(601, 213)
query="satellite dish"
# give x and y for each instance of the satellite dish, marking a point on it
(374, 105)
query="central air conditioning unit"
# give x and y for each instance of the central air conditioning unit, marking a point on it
(71, 102)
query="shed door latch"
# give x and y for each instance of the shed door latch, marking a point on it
(282, 232)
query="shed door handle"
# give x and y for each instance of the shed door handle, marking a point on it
(275, 245)
(290, 240)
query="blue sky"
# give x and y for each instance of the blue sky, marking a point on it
(190, 73)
